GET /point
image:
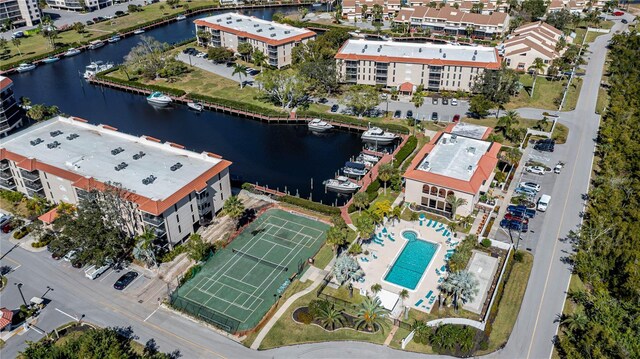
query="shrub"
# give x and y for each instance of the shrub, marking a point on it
(405, 151)
(247, 186)
(486, 243)
(356, 248)
(169, 256)
(19, 234)
(372, 190)
(315, 307)
(305, 317)
(518, 256)
(305, 203)
(11, 196)
(190, 273)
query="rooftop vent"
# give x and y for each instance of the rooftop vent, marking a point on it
(365, 46)
(440, 50)
(55, 133)
(272, 28)
(363, 50)
(420, 49)
(149, 180)
(273, 35)
(378, 50)
(473, 58)
(471, 150)
(229, 22)
(259, 30)
(238, 20)
(444, 56)
(470, 168)
(454, 138)
(475, 52)
(72, 136)
(176, 167)
(139, 155)
(37, 141)
(425, 166)
(117, 150)
(219, 20)
(287, 31)
(256, 25)
(53, 144)
(228, 17)
(121, 166)
(444, 141)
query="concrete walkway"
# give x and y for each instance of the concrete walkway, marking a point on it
(265, 330)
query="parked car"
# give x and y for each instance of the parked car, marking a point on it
(535, 170)
(200, 54)
(322, 100)
(545, 145)
(4, 219)
(57, 254)
(618, 13)
(7, 227)
(76, 263)
(335, 108)
(456, 118)
(515, 225)
(558, 168)
(397, 114)
(525, 191)
(454, 102)
(513, 217)
(125, 280)
(409, 114)
(89, 22)
(530, 185)
(445, 101)
(543, 202)
(521, 211)
(119, 13)
(230, 63)
(70, 255)
(94, 272)
(434, 116)
(434, 100)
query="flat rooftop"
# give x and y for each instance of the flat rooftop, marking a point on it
(254, 27)
(469, 130)
(95, 151)
(454, 156)
(414, 52)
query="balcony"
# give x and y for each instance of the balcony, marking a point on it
(33, 192)
(34, 186)
(159, 232)
(6, 174)
(7, 184)
(153, 220)
(30, 176)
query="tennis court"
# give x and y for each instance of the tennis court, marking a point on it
(237, 286)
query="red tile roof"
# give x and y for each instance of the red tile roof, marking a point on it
(406, 87)
(6, 318)
(49, 217)
(5, 82)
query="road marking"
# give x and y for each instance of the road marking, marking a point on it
(555, 245)
(150, 315)
(16, 268)
(111, 271)
(68, 315)
(36, 329)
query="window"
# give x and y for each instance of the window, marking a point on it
(442, 193)
(425, 188)
(434, 191)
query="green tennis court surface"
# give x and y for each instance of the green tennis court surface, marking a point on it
(237, 286)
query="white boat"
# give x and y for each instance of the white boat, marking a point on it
(364, 162)
(95, 44)
(378, 136)
(159, 99)
(181, 17)
(196, 106)
(369, 158)
(95, 67)
(50, 60)
(317, 125)
(71, 52)
(341, 184)
(138, 32)
(350, 171)
(114, 38)
(25, 67)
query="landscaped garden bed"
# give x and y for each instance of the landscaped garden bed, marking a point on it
(301, 315)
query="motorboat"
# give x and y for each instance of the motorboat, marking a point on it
(369, 158)
(341, 184)
(114, 38)
(378, 136)
(50, 60)
(317, 125)
(196, 106)
(361, 160)
(138, 32)
(354, 169)
(72, 52)
(96, 44)
(181, 17)
(95, 67)
(25, 67)
(159, 99)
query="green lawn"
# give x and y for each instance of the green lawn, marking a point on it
(324, 256)
(560, 133)
(396, 343)
(592, 35)
(545, 94)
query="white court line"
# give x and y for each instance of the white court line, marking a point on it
(68, 315)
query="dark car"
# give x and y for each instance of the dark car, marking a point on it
(397, 114)
(545, 145)
(515, 225)
(57, 254)
(77, 263)
(445, 101)
(456, 118)
(125, 280)
(230, 63)
(434, 100)
(335, 108)
(119, 13)
(511, 217)
(90, 22)
(7, 227)
(521, 211)
(188, 50)
(434, 116)
(101, 18)
(624, 21)
(409, 114)
(322, 100)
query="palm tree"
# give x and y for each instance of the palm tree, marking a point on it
(462, 286)
(505, 122)
(144, 242)
(361, 200)
(259, 59)
(337, 237)
(576, 322)
(240, 70)
(511, 155)
(455, 203)
(404, 294)
(330, 317)
(385, 172)
(364, 11)
(16, 42)
(233, 207)
(417, 100)
(537, 66)
(376, 288)
(371, 314)
(396, 212)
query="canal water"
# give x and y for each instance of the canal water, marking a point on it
(275, 155)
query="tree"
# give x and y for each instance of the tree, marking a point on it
(287, 91)
(79, 27)
(377, 12)
(511, 155)
(3, 45)
(330, 317)
(197, 248)
(219, 54)
(479, 105)
(234, 208)
(148, 57)
(385, 172)
(365, 225)
(534, 8)
(537, 66)
(346, 269)
(321, 74)
(7, 24)
(361, 98)
(361, 200)
(240, 70)
(455, 202)
(144, 247)
(173, 3)
(418, 100)
(337, 237)
(303, 11)
(371, 314)
(506, 122)
(37, 112)
(497, 86)
(477, 8)
(363, 11)
(404, 294)
(16, 42)
(379, 210)
(204, 37)
(133, 8)
(259, 59)
(575, 322)
(245, 49)
(559, 19)
(376, 288)
(461, 285)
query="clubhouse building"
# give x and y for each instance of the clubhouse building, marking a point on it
(407, 65)
(458, 161)
(168, 189)
(276, 41)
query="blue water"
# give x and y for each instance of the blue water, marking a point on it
(414, 259)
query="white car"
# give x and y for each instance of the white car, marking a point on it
(530, 185)
(200, 54)
(454, 102)
(557, 168)
(70, 256)
(535, 170)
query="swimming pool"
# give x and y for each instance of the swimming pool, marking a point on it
(409, 267)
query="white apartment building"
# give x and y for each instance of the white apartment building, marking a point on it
(355, 9)
(435, 66)
(79, 5)
(486, 6)
(531, 41)
(20, 12)
(274, 40)
(169, 189)
(11, 116)
(451, 21)
(455, 162)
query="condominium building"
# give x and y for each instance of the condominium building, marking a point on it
(484, 7)
(435, 66)
(11, 115)
(20, 12)
(79, 5)
(274, 40)
(458, 162)
(531, 41)
(356, 9)
(451, 21)
(168, 188)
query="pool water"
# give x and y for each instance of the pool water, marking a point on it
(412, 262)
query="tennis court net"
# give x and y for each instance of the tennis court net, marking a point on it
(262, 261)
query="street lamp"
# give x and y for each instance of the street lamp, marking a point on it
(48, 289)
(19, 285)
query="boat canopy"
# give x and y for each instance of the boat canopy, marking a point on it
(358, 166)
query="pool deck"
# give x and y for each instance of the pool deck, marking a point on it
(382, 257)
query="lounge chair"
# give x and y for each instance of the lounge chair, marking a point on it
(432, 300)
(391, 238)
(437, 271)
(429, 294)
(445, 233)
(419, 302)
(443, 268)
(441, 279)
(450, 250)
(453, 244)
(429, 223)
(361, 280)
(439, 229)
(421, 223)
(374, 256)
(435, 224)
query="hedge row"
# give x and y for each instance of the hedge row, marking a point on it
(352, 121)
(405, 151)
(314, 206)
(238, 105)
